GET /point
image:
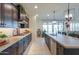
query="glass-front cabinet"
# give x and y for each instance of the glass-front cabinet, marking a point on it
(11, 14)
(8, 15)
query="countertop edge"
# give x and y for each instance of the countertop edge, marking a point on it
(10, 44)
(65, 46)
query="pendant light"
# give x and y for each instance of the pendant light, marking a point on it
(54, 22)
(68, 18)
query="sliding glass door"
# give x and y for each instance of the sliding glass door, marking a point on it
(50, 28)
(45, 27)
(53, 27)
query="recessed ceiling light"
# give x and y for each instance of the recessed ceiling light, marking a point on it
(35, 6)
(36, 14)
(48, 15)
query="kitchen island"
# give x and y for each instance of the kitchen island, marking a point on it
(17, 45)
(62, 44)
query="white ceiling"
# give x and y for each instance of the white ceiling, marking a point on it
(48, 8)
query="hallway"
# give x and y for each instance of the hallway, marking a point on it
(38, 47)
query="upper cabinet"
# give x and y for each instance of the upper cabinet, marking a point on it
(11, 11)
(9, 15)
(12, 15)
(22, 18)
(0, 14)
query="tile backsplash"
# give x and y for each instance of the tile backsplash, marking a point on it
(9, 31)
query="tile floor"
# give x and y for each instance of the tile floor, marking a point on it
(37, 47)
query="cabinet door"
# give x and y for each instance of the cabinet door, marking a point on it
(26, 39)
(53, 47)
(12, 50)
(6, 52)
(10, 15)
(0, 10)
(48, 42)
(60, 49)
(30, 37)
(24, 43)
(21, 46)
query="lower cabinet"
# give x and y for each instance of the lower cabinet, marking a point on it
(60, 49)
(47, 40)
(12, 50)
(18, 48)
(57, 49)
(53, 47)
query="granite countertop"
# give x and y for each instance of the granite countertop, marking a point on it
(66, 41)
(12, 40)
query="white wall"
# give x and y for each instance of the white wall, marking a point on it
(32, 26)
(35, 24)
(39, 24)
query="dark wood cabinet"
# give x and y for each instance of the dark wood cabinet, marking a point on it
(12, 14)
(0, 16)
(21, 46)
(25, 41)
(22, 17)
(8, 15)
